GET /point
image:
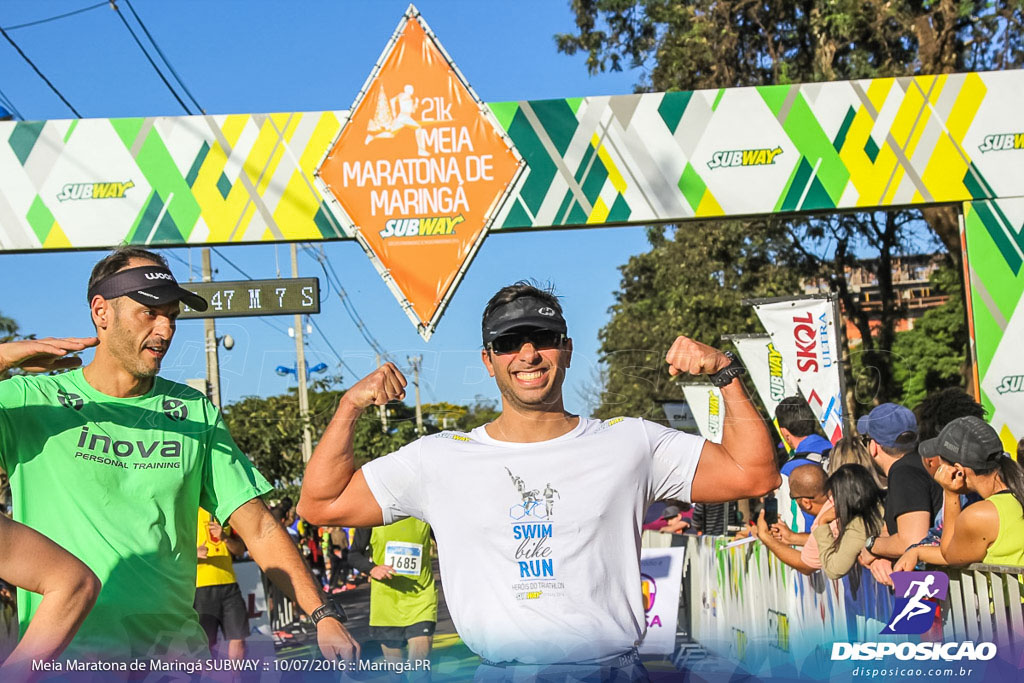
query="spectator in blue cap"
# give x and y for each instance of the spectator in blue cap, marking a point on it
(913, 498)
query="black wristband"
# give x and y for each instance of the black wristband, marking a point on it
(730, 372)
(328, 609)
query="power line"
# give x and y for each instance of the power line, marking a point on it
(349, 307)
(39, 73)
(183, 262)
(149, 58)
(230, 263)
(327, 341)
(56, 17)
(163, 56)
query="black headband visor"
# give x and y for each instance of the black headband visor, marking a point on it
(526, 312)
(152, 285)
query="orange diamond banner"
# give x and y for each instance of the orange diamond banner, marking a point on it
(418, 171)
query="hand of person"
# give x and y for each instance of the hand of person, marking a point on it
(783, 533)
(743, 533)
(384, 384)
(676, 526)
(951, 479)
(866, 558)
(202, 552)
(763, 532)
(335, 641)
(881, 568)
(215, 530)
(43, 355)
(828, 516)
(907, 561)
(689, 356)
(382, 572)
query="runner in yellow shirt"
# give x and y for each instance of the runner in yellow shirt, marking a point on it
(403, 597)
(218, 599)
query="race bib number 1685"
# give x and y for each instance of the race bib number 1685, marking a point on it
(404, 558)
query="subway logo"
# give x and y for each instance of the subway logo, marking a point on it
(744, 157)
(112, 190)
(421, 227)
(1002, 142)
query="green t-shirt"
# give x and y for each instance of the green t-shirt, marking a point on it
(409, 596)
(118, 483)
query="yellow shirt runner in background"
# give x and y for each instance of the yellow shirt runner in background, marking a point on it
(216, 569)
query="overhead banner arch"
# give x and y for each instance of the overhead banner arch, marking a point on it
(417, 135)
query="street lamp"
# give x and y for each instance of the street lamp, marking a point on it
(213, 344)
(284, 370)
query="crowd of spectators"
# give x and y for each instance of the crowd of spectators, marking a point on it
(911, 489)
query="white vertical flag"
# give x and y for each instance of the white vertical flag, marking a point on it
(708, 409)
(771, 376)
(804, 331)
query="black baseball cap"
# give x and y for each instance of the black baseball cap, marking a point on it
(966, 441)
(523, 312)
(153, 285)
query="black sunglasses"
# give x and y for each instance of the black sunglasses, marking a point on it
(541, 339)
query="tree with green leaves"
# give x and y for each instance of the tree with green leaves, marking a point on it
(690, 283)
(269, 431)
(929, 357)
(8, 328)
(728, 43)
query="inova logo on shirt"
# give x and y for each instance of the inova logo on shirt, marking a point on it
(103, 444)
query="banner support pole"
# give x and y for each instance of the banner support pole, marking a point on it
(972, 347)
(845, 402)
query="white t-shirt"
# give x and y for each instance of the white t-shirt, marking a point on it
(539, 543)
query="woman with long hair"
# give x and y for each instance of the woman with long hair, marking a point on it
(857, 514)
(851, 450)
(973, 461)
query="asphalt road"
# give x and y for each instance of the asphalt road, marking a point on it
(449, 651)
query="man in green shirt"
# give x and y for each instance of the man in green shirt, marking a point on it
(112, 462)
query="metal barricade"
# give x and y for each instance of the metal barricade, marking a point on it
(746, 605)
(283, 612)
(984, 604)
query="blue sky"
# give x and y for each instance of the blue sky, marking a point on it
(259, 56)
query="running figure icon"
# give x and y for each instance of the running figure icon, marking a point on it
(391, 116)
(917, 605)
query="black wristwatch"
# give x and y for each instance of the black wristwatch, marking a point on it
(328, 609)
(730, 372)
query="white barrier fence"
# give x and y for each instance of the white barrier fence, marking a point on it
(985, 605)
(745, 605)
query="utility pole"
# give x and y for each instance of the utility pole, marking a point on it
(210, 329)
(300, 371)
(415, 361)
(383, 408)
